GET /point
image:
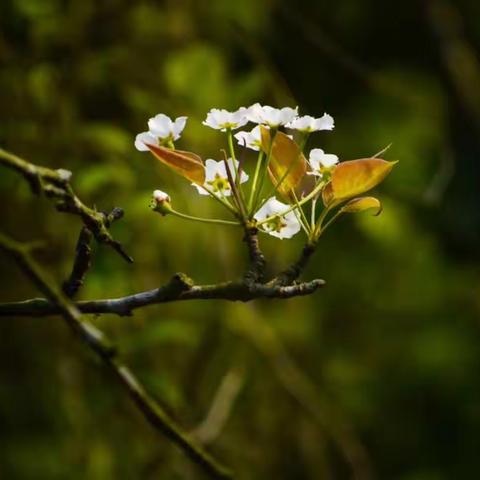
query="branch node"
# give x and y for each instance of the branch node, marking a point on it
(180, 282)
(255, 272)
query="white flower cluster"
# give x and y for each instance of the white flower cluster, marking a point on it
(274, 217)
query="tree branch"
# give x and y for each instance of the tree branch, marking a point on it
(291, 274)
(95, 339)
(83, 256)
(54, 184)
(256, 270)
(81, 264)
(180, 287)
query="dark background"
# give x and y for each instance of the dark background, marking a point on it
(380, 367)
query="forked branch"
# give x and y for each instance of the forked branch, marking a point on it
(55, 184)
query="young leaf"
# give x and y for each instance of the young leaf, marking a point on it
(361, 204)
(287, 163)
(358, 176)
(327, 194)
(186, 164)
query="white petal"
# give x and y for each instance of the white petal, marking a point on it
(212, 168)
(178, 127)
(288, 114)
(325, 122)
(145, 137)
(200, 189)
(254, 113)
(244, 139)
(329, 160)
(160, 196)
(303, 124)
(160, 125)
(315, 157)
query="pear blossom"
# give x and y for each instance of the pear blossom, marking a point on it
(161, 129)
(161, 202)
(321, 162)
(273, 117)
(221, 119)
(252, 139)
(281, 226)
(216, 178)
(309, 124)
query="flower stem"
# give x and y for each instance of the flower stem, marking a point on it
(304, 225)
(233, 186)
(238, 173)
(301, 212)
(255, 180)
(273, 132)
(203, 220)
(318, 227)
(332, 219)
(222, 200)
(312, 214)
(303, 142)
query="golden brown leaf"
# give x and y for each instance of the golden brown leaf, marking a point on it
(361, 204)
(186, 164)
(287, 164)
(355, 177)
(327, 194)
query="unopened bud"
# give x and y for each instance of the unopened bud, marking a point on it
(161, 202)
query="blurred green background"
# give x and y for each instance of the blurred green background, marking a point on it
(376, 375)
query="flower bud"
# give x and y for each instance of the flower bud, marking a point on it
(161, 202)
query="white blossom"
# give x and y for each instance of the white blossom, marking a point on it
(281, 226)
(252, 139)
(221, 119)
(216, 178)
(273, 117)
(161, 129)
(321, 162)
(162, 126)
(309, 124)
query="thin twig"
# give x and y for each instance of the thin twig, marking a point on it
(81, 263)
(95, 339)
(83, 255)
(54, 184)
(290, 275)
